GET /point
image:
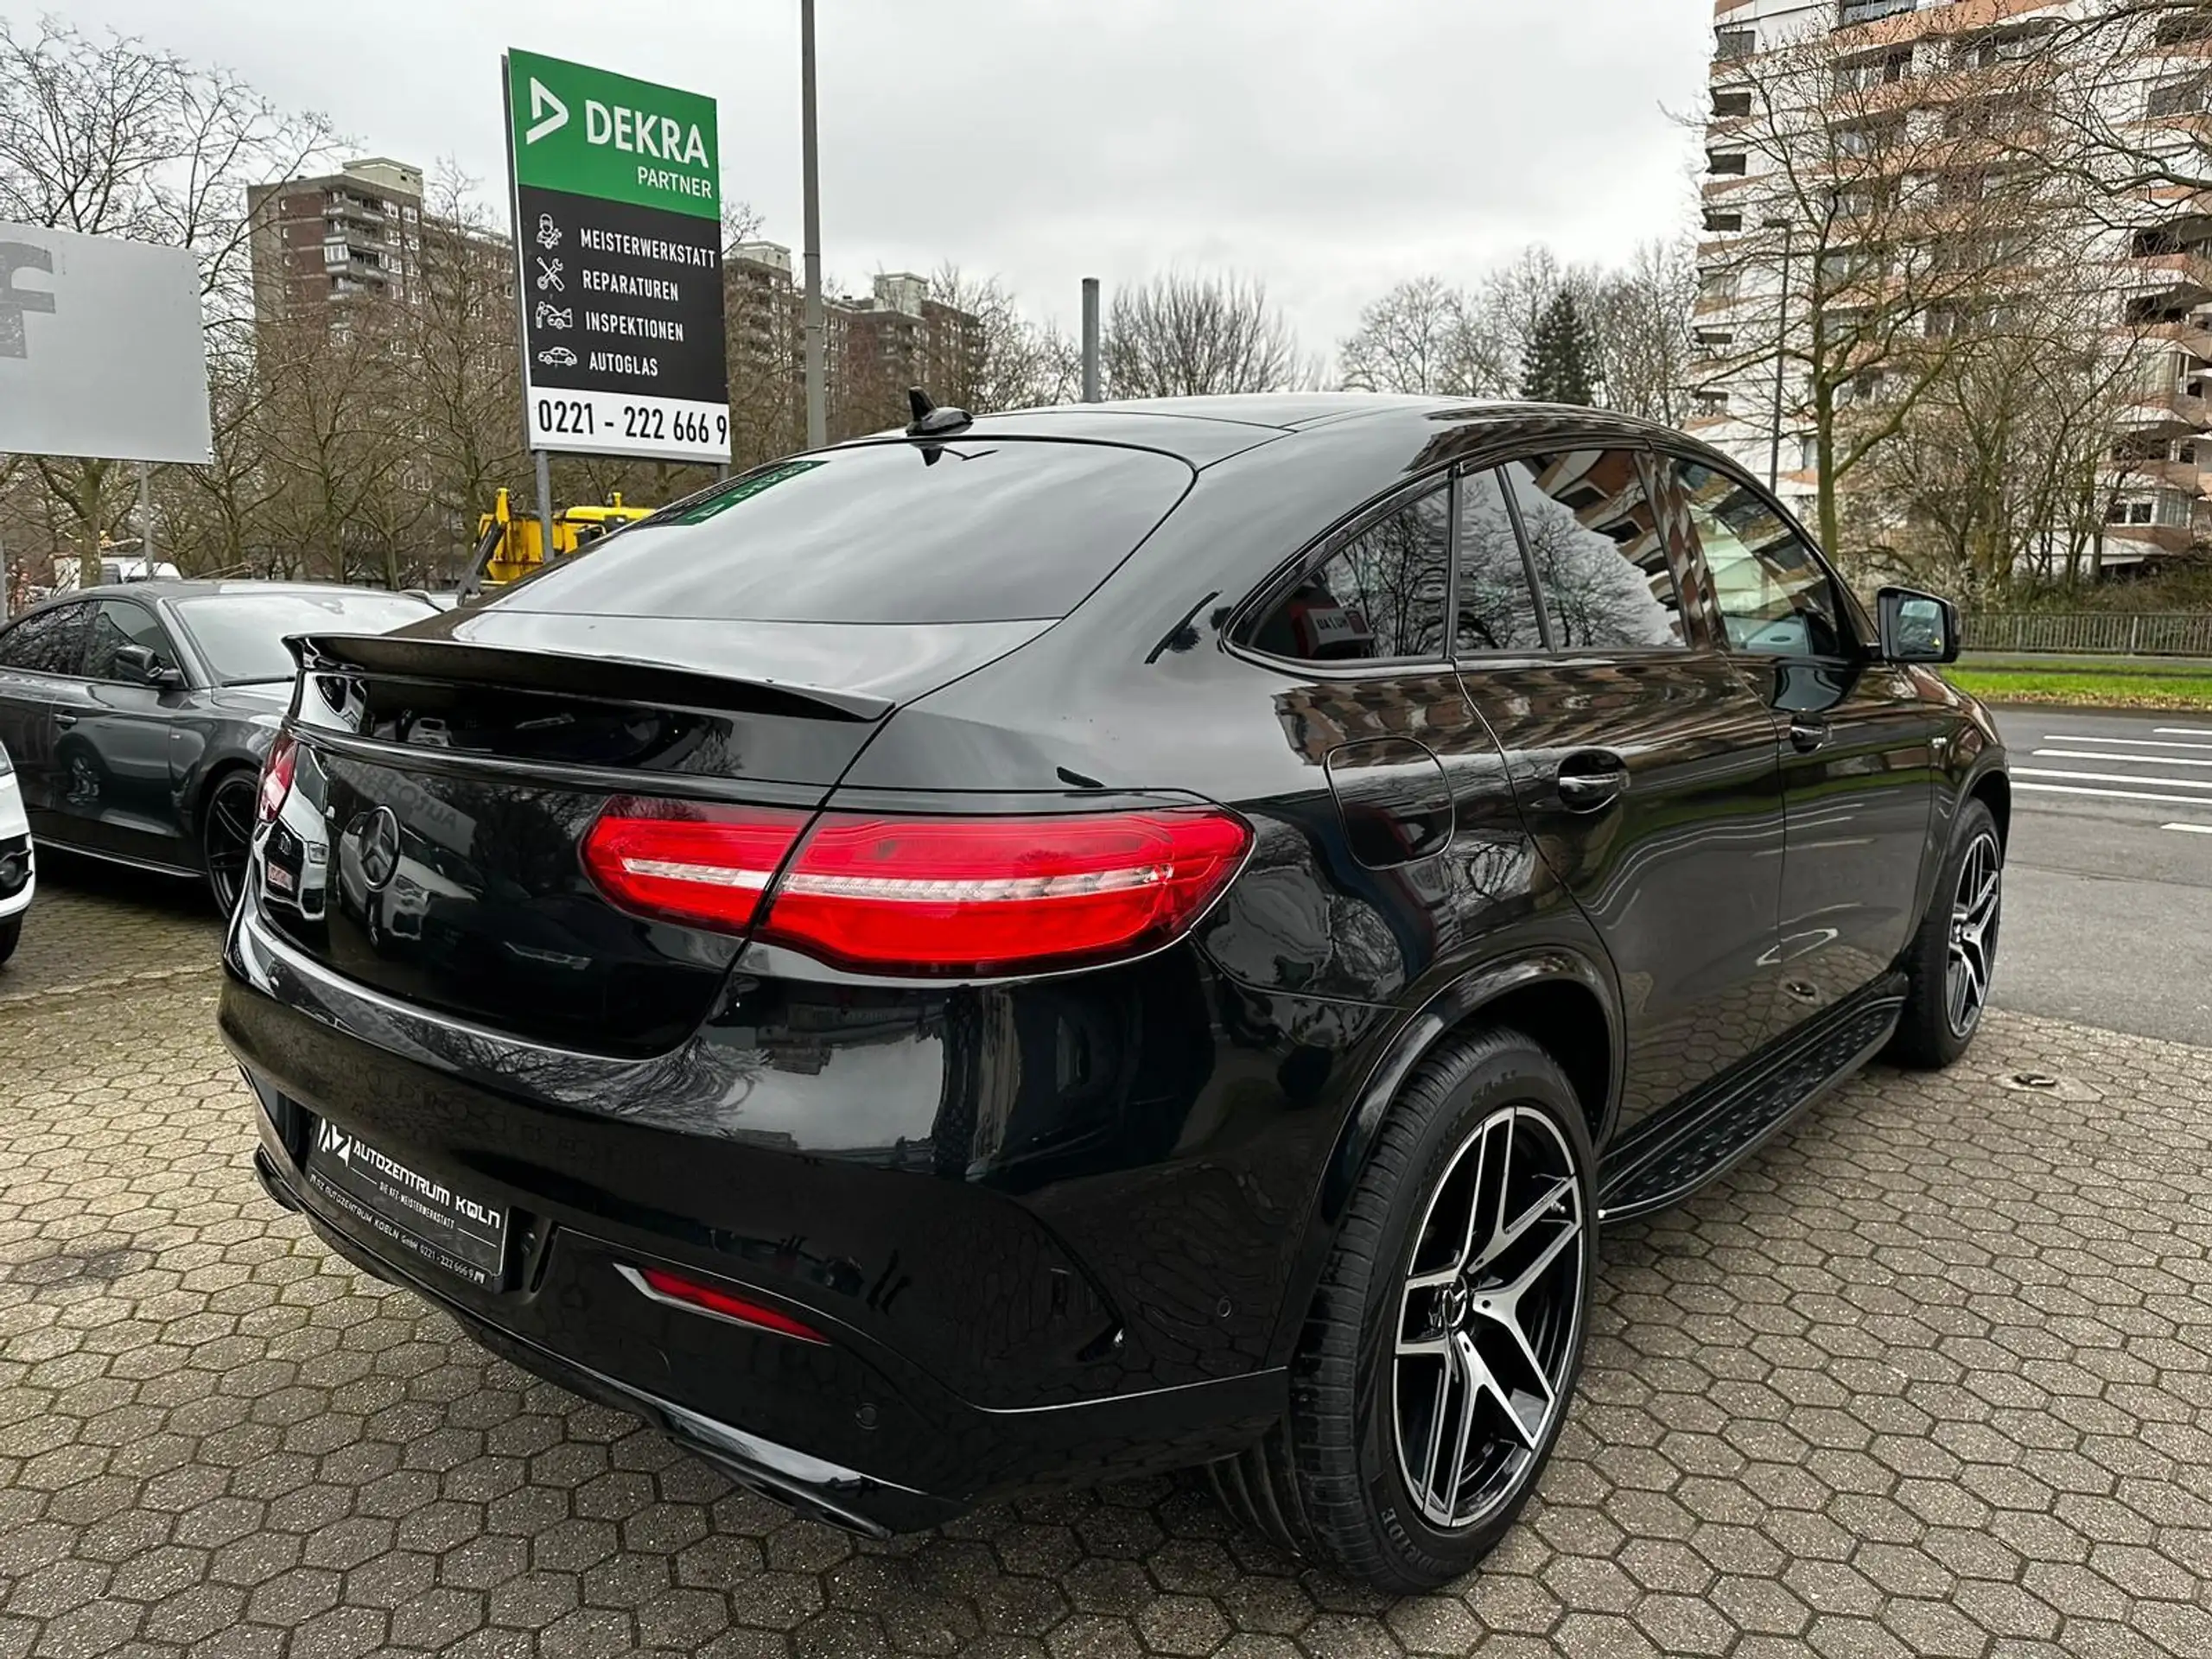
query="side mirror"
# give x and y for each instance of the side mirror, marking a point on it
(1918, 627)
(136, 665)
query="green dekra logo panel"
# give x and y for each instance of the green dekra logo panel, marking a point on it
(596, 134)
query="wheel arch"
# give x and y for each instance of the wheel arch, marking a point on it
(1551, 992)
(1994, 789)
(1561, 996)
(211, 776)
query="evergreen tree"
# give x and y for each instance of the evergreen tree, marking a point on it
(1561, 362)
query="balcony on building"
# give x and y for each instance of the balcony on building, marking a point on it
(1993, 48)
(2153, 460)
(2190, 330)
(2180, 248)
(1850, 13)
(2189, 28)
(2145, 522)
(351, 260)
(2179, 99)
(1864, 72)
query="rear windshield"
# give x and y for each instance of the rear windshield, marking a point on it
(242, 635)
(962, 531)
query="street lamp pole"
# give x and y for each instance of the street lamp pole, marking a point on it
(817, 401)
(1781, 357)
(1090, 340)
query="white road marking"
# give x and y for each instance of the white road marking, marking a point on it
(2126, 742)
(2135, 760)
(2189, 828)
(2106, 794)
(2113, 778)
(2182, 731)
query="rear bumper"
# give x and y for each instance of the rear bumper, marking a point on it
(843, 1497)
(972, 1351)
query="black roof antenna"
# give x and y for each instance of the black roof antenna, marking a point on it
(930, 419)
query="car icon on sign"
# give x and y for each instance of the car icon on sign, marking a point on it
(559, 356)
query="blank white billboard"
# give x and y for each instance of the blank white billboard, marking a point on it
(101, 351)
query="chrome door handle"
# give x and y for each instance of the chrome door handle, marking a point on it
(64, 720)
(1592, 781)
(1807, 734)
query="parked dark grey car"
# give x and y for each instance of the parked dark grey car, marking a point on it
(138, 716)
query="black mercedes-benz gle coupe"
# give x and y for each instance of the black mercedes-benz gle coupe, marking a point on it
(1096, 940)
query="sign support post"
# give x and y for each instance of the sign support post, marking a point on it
(146, 516)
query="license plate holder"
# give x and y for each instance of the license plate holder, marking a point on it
(403, 1205)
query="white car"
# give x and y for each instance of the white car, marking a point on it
(18, 868)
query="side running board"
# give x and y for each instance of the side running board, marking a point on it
(1648, 1173)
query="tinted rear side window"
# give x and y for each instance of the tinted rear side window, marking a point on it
(1378, 596)
(970, 530)
(1592, 531)
(49, 643)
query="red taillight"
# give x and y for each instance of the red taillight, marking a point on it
(686, 862)
(938, 897)
(931, 898)
(661, 1285)
(277, 777)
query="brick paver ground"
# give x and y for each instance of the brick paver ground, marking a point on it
(1930, 1376)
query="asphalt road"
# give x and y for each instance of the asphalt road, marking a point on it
(2108, 884)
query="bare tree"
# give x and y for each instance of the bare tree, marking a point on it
(1510, 307)
(1639, 315)
(337, 432)
(1909, 225)
(2011, 465)
(1004, 361)
(115, 138)
(1183, 336)
(459, 356)
(1418, 338)
(2130, 91)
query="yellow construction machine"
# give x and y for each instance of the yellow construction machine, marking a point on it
(510, 545)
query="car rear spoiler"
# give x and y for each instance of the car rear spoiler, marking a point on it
(604, 679)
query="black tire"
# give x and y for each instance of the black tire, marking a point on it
(1334, 1481)
(1931, 1034)
(226, 819)
(11, 935)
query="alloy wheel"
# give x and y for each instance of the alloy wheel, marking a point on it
(228, 839)
(1489, 1318)
(1974, 909)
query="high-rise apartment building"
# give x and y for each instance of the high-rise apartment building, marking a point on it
(357, 231)
(873, 348)
(1907, 111)
(901, 336)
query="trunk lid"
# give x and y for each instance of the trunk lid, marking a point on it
(444, 780)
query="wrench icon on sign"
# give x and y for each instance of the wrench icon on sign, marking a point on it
(548, 276)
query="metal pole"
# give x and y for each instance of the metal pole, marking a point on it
(1781, 368)
(521, 329)
(817, 400)
(1090, 340)
(146, 519)
(545, 507)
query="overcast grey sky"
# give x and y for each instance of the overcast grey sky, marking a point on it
(1330, 146)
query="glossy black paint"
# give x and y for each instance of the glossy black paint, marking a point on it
(1067, 1227)
(122, 769)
